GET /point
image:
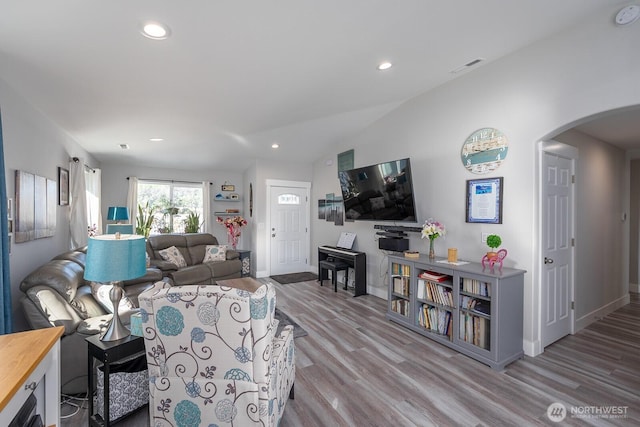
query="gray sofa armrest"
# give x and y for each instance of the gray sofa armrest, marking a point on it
(164, 266)
(232, 254)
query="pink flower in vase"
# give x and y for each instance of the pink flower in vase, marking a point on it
(233, 226)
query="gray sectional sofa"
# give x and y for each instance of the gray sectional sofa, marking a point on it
(192, 247)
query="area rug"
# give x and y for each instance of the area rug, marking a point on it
(298, 331)
(284, 279)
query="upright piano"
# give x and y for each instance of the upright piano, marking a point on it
(358, 260)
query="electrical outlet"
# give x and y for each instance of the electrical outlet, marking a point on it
(483, 238)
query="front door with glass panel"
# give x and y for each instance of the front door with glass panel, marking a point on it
(288, 230)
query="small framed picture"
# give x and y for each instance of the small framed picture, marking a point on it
(63, 186)
(484, 200)
(228, 187)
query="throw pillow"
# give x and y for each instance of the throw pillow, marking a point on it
(173, 255)
(377, 203)
(215, 253)
(100, 292)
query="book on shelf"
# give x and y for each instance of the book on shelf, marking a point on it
(400, 306)
(400, 269)
(435, 277)
(474, 330)
(475, 305)
(430, 291)
(475, 286)
(401, 286)
(436, 320)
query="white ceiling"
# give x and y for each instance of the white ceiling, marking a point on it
(237, 76)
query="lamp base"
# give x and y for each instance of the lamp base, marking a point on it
(116, 330)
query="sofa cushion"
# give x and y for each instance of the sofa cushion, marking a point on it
(100, 292)
(62, 275)
(192, 275)
(54, 307)
(78, 256)
(163, 241)
(225, 269)
(173, 255)
(215, 253)
(196, 245)
(94, 325)
(85, 304)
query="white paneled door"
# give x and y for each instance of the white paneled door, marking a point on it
(557, 247)
(289, 229)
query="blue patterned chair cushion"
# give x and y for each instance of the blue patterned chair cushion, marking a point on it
(213, 357)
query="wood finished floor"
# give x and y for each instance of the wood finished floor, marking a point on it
(356, 368)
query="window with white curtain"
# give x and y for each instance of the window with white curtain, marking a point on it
(171, 202)
(92, 179)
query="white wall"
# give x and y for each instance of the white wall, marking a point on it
(634, 225)
(115, 188)
(264, 170)
(601, 266)
(531, 95)
(34, 144)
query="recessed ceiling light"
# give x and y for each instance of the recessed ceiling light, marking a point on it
(275, 145)
(156, 139)
(385, 66)
(155, 30)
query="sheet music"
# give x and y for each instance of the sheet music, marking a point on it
(346, 240)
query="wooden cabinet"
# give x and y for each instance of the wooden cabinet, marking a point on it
(30, 364)
(474, 310)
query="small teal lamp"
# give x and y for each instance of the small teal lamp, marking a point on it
(118, 213)
(114, 258)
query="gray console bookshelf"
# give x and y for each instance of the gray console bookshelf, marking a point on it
(474, 310)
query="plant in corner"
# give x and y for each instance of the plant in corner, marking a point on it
(493, 241)
(192, 223)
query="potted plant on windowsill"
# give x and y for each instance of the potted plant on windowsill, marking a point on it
(192, 223)
(144, 221)
(493, 241)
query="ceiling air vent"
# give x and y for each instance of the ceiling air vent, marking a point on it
(124, 146)
(467, 65)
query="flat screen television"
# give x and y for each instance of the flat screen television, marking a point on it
(381, 192)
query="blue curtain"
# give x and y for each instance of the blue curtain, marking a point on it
(6, 322)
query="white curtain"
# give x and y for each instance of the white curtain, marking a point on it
(206, 206)
(78, 201)
(132, 200)
(93, 181)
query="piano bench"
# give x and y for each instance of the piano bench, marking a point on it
(334, 266)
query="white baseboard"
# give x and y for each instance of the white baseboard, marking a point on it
(378, 292)
(634, 287)
(532, 348)
(261, 274)
(598, 314)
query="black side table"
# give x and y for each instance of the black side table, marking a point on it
(109, 352)
(245, 257)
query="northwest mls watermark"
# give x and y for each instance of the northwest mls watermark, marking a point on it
(557, 412)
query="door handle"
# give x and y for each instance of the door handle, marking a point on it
(548, 260)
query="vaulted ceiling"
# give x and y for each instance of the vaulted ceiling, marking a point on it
(234, 77)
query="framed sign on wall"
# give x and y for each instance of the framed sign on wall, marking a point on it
(484, 200)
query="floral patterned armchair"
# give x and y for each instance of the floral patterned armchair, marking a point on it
(213, 356)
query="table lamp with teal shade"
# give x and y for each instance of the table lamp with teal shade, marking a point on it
(114, 258)
(118, 213)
